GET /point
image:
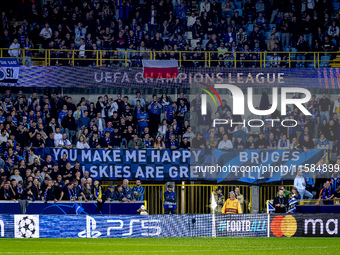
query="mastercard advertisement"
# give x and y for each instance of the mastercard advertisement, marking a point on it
(304, 225)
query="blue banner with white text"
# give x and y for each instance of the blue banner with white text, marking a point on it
(251, 166)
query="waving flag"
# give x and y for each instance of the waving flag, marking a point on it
(160, 69)
(78, 208)
(213, 202)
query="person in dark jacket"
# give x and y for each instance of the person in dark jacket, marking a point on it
(119, 194)
(6, 193)
(69, 125)
(49, 193)
(106, 142)
(172, 143)
(94, 141)
(50, 140)
(68, 192)
(36, 189)
(307, 143)
(280, 203)
(98, 195)
(110, 194)
(185, 144)
(302, 47)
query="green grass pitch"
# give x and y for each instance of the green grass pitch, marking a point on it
(197, 245)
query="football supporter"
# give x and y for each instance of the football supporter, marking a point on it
(326, 194)
(138, 191)
(300, 184)
(110, 193)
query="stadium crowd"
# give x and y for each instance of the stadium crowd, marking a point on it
(304, 188)
(28, 122)
(216, 27)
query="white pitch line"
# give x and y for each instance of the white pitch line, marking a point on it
(160, 245)
(158, 251)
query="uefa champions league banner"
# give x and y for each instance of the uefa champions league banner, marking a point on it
(9, 71)
(252, 166)
(86, 226)
(93, 77)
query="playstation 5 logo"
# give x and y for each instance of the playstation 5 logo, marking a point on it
(91, 226)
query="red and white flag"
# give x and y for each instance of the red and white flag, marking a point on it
(160, 69)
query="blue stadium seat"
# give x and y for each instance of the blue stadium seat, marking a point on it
(325, 61)
(336, 6)
(193, 43)
(238, 5)
(204, 43)
(268, 35)
(240, 11)
(270, 26)
(250, 28)
(267, 64)
(188, 35)
(293, 55)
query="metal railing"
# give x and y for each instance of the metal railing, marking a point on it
(127, 58)
(191, 198)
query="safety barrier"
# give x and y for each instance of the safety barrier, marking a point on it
(191, 198)
(69, 207)
(127, 58)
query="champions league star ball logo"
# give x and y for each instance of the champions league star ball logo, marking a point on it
(26, 226)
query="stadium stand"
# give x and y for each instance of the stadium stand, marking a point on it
(121, 33)
(88, 32)
(30, 121)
